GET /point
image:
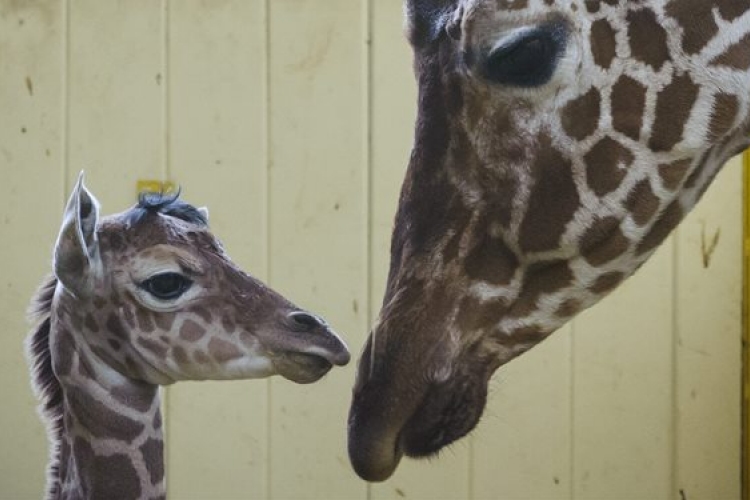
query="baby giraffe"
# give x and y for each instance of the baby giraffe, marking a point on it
(141, 299)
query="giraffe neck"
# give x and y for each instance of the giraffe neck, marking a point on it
(111, 436)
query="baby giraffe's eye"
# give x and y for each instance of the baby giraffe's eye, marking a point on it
(166, 286)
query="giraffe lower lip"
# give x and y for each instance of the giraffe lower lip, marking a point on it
(304, 368)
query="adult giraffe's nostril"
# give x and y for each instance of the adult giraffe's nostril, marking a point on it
(306, 321)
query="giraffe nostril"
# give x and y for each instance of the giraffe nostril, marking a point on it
(306, 321)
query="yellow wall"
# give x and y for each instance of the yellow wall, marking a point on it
(292, 121)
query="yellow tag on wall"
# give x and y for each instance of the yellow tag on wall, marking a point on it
(154, 186)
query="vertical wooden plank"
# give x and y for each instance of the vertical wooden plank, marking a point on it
(622, 390)
(709, 351)
(393, 100)
(317, 228)
(216, 78)
(31, 42)
(115, 99)
(522, 448)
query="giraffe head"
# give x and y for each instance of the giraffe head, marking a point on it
(152, 294)
(558, 142)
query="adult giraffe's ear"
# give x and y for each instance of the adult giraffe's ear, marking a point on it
(77, 249)
(427, 19)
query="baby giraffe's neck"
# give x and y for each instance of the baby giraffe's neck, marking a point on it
(111, 439)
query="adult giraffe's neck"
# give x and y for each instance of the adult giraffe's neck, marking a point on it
(111, 435)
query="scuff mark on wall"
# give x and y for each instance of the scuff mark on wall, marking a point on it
(708, 247)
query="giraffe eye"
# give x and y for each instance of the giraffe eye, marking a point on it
(167, 286)
(529, 58)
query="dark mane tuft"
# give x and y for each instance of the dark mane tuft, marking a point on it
(166, 204)
(45, 384)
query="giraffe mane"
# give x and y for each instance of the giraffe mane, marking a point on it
(44, 382)
(166, 204)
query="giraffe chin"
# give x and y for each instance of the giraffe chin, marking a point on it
(446, 413)
(302, 368)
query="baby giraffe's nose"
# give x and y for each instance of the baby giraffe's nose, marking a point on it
(306, 322)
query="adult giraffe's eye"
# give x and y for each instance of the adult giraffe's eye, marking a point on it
(526, 58)
(167, 286)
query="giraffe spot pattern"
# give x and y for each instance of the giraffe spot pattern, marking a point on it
(152, 452)
(580, 117)
(607, 282)
(111, 476)
(191, 331)
(603, 242)
(673, 106)
(153, 346)
(568, 308)
(628, 104)
(542, 228)
(606, 165)
(697, 35)
(490, 260)
(541, 278)
(672, 174)
(222, 351)
(648, 40)
(145, 324)
(603, 43)
(474, 315)
(669, 219)
(642, 203)
(98, 419)
(164, 320)
(724, 113)
(737, 56)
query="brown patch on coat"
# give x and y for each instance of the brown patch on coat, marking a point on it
(490, 260)
(603, 43)
(673, 106)
(642, 203)
(95, 468)
(672, 174)
(474, 314)
(603, 242)
(580, 116)
(164, 320)
(542, 228)
(697, 19)
(152, 452)
(648, 40)
(628, 106)
(607, 282)
(736, 56)
(568, 308)
(723, 115)
(223, 351)
(606, 165)
(668, 220)
(145, 324)
(153, 346)
(98, 419)
(541, 278)
(191, 331)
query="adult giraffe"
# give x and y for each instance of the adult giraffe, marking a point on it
(140, 299)
(558, 142)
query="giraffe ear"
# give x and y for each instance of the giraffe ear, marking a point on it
(77, 247)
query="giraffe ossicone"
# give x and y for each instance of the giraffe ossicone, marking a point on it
(557, 144)
(144, 298)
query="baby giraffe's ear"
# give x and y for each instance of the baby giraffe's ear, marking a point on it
(77, 249)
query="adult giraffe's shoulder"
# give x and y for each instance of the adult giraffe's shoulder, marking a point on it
(557, 144)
